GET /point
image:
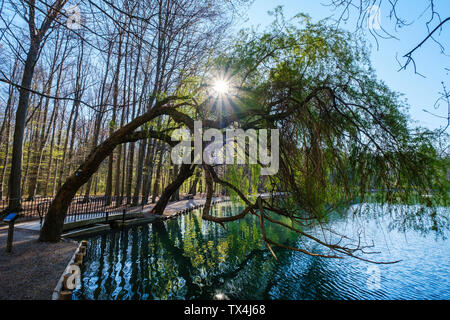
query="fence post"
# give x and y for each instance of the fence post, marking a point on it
(10, 219)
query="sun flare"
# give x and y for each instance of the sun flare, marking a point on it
(221, 87)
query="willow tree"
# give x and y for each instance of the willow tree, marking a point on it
(343, 134)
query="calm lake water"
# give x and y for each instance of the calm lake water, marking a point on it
(188, 258)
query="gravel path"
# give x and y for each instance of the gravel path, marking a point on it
(33, 268)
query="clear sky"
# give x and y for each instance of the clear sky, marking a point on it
(420, 92)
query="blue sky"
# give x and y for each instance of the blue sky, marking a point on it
(420, 92)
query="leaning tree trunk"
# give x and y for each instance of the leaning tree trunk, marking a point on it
(54, 220)
(186, 172)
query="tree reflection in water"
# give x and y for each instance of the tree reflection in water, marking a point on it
(187, 258)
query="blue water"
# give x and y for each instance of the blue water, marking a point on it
(189, 258)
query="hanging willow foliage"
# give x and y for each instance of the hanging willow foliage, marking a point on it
(344, 135)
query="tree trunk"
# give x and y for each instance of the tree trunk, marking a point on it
(176, 194)
(36, 35)
(109, 176)
(130, 172)
(57, 161)
(185, 172)
(139, 170)
(158, 176)
(15, 176)
(5, 160)
(37, 154)
(98, 124)
(148, 172)
(54, 220)
(50, 162)
(193, 188)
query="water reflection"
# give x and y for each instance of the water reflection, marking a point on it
(189, 258)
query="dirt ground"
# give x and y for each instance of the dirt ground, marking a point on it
(33, 269)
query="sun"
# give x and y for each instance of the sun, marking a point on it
(221, 87)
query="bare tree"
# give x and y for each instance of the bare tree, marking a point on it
(368, 14)
(37, 36)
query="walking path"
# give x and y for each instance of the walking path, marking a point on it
(173, 208)
(32, 269)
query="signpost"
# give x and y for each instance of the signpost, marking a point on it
(10, 219)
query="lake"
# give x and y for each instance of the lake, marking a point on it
(188, 258)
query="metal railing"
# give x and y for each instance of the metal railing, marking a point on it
(29, 207)
(81, 208)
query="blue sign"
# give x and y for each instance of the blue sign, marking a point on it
(10, 217)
